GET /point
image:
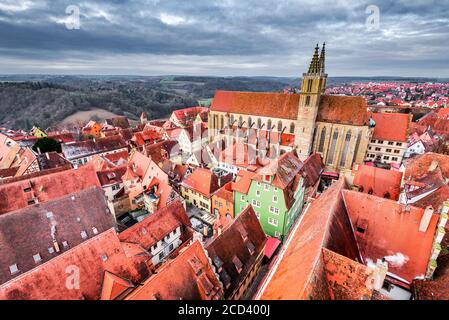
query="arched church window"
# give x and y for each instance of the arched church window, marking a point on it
(280, 126)
(269, 125)
(308, 101)
(322, 139)
(309, 85)
(221, 122)
(250, 122)
(345, 149)
(330, 157)
(259, 123)
(357, 146)
(292, 128)
(240, 121)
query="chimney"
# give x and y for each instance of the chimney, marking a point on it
(47, 155)
(425, 220)
(380, 273)
(433, 166)
(56, 245)
(38, 150)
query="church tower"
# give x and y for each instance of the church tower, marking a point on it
(312, 87)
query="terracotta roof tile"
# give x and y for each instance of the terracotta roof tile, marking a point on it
(380, 181)
(16, 195)
(234, 243)
(92, 258)
(89, 147)
(188, 277)
(205, 181)
(299, 274)
(343, 110)
(379, 221)
(32, 230)
(391, 126)
(265, 104)
(156, 226)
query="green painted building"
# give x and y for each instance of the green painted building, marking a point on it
(276, 194)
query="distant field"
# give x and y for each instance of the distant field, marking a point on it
(85, 116)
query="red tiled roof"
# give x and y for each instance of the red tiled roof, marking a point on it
(299, 273)
(436, 289)
(111, 176)
(418, 166)
(346, 278)
(188, 277)
(343, 110)
(312, 169)
(225, 192)
(89, 147)
(205, 181)
(15, 195)
(380, 181)
(114, 286)
(284, 169)
(243, 181)
(32, 230)
(158, 152)
(92, 258)
(265, 104)
(155, 227)
(391, 126)
(382, 221)
(243, 235)
(188, 115)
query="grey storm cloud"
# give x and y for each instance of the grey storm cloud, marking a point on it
(227, 37)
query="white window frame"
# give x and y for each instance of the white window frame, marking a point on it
(273, 222)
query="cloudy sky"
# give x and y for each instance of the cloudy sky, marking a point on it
(227, 37)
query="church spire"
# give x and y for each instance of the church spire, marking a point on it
(323, 59)
(315, 64)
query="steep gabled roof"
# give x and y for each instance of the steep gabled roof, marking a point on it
(378, 222)
(205, 181)
(188, 277)
(343, 110)
(264, 104)
(89, 147)
(30, 231)
(90, 260)
(16, 195)
(299, 273)
(156, 226)
(391, 126)
(242, 241)
(380, 181)
(284, 169)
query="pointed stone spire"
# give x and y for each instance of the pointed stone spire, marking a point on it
(315, 64)
(323, 59)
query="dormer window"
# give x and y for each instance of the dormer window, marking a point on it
(13, 269)
(37, 258)
(251, 247)
(238, 264)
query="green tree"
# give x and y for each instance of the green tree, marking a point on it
(44, 145)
